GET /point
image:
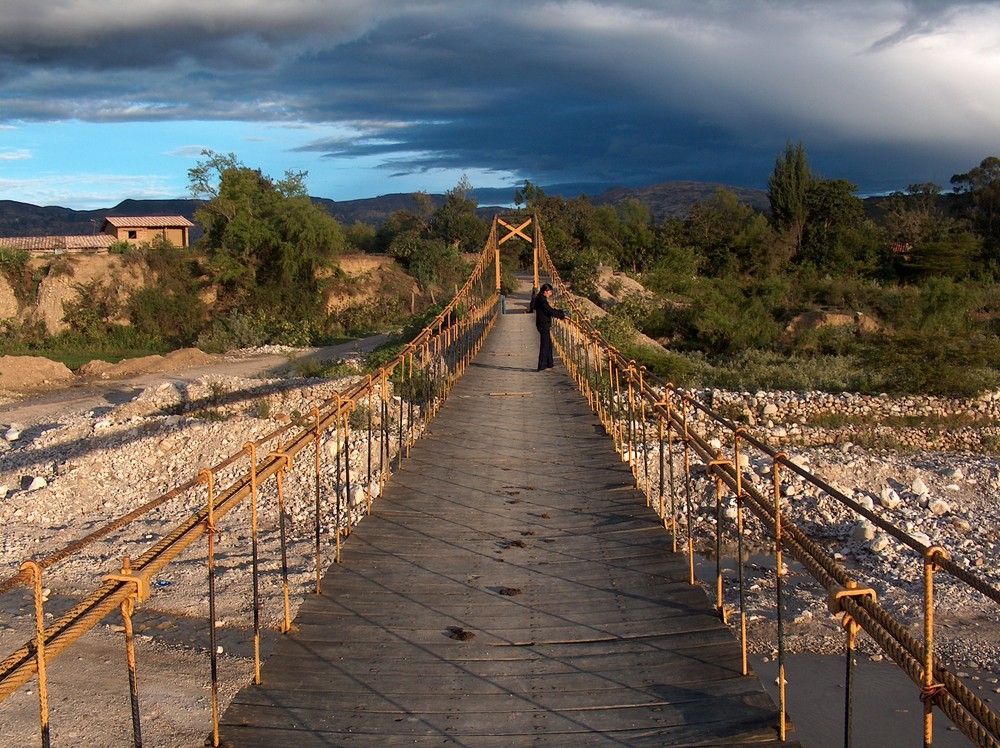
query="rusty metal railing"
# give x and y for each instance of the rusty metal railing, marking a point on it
(361, 435)
(661, 431)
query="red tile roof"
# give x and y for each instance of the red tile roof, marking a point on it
(58, 243)
(148, 222)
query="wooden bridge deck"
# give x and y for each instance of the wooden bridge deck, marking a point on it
(510, 588)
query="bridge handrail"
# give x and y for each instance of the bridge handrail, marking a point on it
(613, 383)
(425, 370)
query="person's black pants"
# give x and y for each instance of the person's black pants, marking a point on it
(545, 348)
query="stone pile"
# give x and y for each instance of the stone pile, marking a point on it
(947, 498)
(61, 480)
(820, 419)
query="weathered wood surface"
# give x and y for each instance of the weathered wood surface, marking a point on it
(511, 588)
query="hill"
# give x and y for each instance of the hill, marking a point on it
(675, 199)
(23, 219)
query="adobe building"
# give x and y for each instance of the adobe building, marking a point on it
(134, 230)
(174, 229)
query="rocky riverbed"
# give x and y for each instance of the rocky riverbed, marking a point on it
(64, 475)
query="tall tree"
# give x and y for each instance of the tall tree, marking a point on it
(456, 222)
(265, 239)
(914, 216)
(788, 190)
(730, 237)
(983, 184)
(838, 239)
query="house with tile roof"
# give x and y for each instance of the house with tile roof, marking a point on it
(134, 230)
(137, 230)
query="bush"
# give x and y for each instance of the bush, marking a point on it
(14, 266)
(176, 319)
(93, 312)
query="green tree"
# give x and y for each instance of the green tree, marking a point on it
(456, 222)
(838, 238)
(949, 256)
(731, 238)
(787, 192)
(624, 234)
(982, 183)
(914, 216)
(265, 239)
(362, 237)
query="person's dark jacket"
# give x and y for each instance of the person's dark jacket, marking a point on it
(544, 312)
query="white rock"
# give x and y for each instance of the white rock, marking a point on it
(956, 474)
(865, 501)
(4, 490)
(921, 537)
(770, 409)
(939, 507)
(12, 434)
(919, 487)
(879, 543)
(36, 483)
(962, 525)
(863, 531)
(889, 498)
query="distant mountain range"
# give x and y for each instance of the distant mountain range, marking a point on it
(24, 219)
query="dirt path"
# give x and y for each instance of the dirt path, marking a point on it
(39, 405)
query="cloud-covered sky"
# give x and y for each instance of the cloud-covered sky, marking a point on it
(105, 101)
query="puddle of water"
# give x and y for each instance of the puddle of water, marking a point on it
(887, 708)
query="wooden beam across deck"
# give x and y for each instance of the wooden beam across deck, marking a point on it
(511, 588)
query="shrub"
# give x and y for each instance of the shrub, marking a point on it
(93, 311)
(14, 265)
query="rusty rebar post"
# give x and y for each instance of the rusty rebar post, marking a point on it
(207, 477)
(851, 627)
(336, 480)
(251, 450)
(738, 466)
(279, 476)
(35, 571)
(715, 467)
(371, 391)
(629, 445)
(346, 416)
(642, 416)
(127, 607)
(670, 457)
(778, 576)
(662, 505)
(687, 488)
(929, 689)
(317, 442)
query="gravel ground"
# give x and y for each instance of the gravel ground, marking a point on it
(67, 471)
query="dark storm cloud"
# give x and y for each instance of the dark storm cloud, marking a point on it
(593, 93)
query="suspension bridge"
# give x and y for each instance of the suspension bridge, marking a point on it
(524, 572)
(510, 588)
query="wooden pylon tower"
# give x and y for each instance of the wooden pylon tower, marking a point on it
(517, 226)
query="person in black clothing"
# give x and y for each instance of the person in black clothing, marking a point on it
(543, 321)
